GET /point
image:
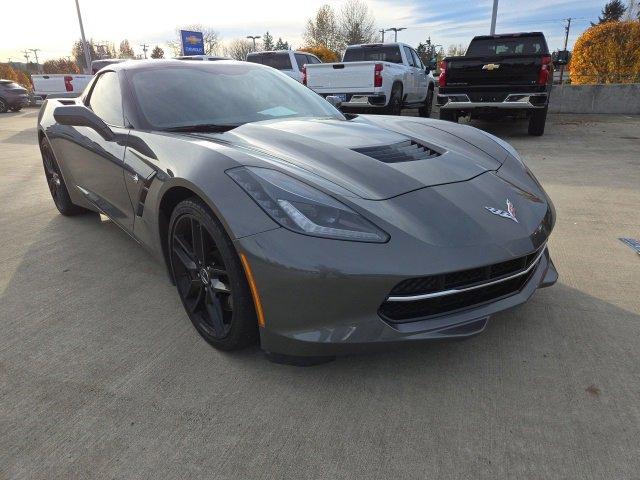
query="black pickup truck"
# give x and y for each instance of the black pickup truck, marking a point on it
(500, 75)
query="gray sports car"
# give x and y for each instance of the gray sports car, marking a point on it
(284, 221)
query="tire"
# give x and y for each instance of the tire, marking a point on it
(55, 182)
(537, 122)
(210, 278)
(425, 111)
(394, 107)
(449, 115)
(3, 106)
(16, 109)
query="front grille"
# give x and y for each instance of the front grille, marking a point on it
(408, 311)
(406, 151)
(402, 311)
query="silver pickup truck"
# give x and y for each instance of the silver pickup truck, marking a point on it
(386, 77)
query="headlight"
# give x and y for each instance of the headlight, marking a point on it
(303, 209)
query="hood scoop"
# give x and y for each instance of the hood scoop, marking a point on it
(407, 151)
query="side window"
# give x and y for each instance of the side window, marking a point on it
(407, 52)
(416, 59)
(313, 59)
(301, 59)
(106, 99)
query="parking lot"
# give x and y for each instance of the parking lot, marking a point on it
(103, 376)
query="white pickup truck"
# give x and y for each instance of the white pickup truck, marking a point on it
(59, 85)
(383, 76)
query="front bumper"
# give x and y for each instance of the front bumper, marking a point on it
(514, 101)
(321, 297)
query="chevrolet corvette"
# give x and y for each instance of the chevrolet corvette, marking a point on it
(284, 222)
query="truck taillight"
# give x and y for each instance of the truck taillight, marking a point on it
(545, 70)
(67, 83)
(304, 75)
(442, 79)
(377, 75)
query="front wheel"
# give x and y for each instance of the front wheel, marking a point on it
(449, 115)
(425, 110)
(55, 182)
(210, 279)
(537, 122)
(3, 106)
(16, 109)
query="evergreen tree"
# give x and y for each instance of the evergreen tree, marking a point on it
(267, 41)
(281, 45)
(157, 52)
(612, 12)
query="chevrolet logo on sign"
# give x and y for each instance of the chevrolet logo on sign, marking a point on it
(491, 66)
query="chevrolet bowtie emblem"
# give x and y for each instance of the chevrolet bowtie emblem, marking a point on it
(491, 66)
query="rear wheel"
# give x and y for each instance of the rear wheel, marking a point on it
(16, 109)
(449, 115)
(537, 122)
(55, 182)
(425, 110)
(394, 107)
(3, 106)
(210, 278)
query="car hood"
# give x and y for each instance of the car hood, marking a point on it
(327, 147)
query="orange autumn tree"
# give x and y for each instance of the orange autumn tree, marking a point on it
(323, 53)
(607, 53)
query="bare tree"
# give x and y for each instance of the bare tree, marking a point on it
(322, 30)
(239, 48)
(211, 37)
(357, 24)
(456, 50)
(125, 50)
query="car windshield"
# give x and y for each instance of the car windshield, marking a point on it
(222, 93)
(386, 53)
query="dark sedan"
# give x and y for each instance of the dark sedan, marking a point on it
(285, 222)
(12, 96)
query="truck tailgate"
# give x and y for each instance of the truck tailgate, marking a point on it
(341, 77)
(496, 70)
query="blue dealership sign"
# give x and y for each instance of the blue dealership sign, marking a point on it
(192, 42)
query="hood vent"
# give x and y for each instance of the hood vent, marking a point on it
(407, 151)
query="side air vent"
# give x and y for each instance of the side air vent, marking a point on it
(407, 151)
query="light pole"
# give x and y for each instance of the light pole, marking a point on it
(382, 32)
(395, 30)
(254, 38)
(85, 47)
(35, 52)
(494, 15)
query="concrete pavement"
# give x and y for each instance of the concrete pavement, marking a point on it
(103, 376)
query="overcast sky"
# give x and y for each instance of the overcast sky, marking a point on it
(52, 26)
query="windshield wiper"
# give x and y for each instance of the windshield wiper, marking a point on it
(201, 127)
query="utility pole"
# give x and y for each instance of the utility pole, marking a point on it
(85, 47)
(395, 30)
(382, 30)
(494, 15)
(254, 38)
(144, 49)
(35, 52)
(566, 40)
(26, 56)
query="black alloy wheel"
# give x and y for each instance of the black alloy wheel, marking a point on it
(425, 111)
(55, 182)
(3, 106)
(209, 278)
(395, 102)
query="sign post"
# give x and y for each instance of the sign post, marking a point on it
(192, 42)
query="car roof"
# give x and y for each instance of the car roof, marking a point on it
(151, 64)
(385, 44)
(282, 51)
(508, 35)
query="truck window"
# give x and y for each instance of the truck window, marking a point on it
(416, 59)
(301, 60)
(530, 45)
(373, 53)
(407, 53)
(279, 61)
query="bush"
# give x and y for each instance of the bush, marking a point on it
(323, 53)
(7, 72)
(607, 53)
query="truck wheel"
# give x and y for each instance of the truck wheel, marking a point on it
(537, 121)
(3, 106)
(425, 111)
(394, 107)
(449, 115)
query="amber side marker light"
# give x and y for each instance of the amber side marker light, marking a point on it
(254, 289)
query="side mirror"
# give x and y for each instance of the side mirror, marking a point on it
(333, 100)
(80, 116)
